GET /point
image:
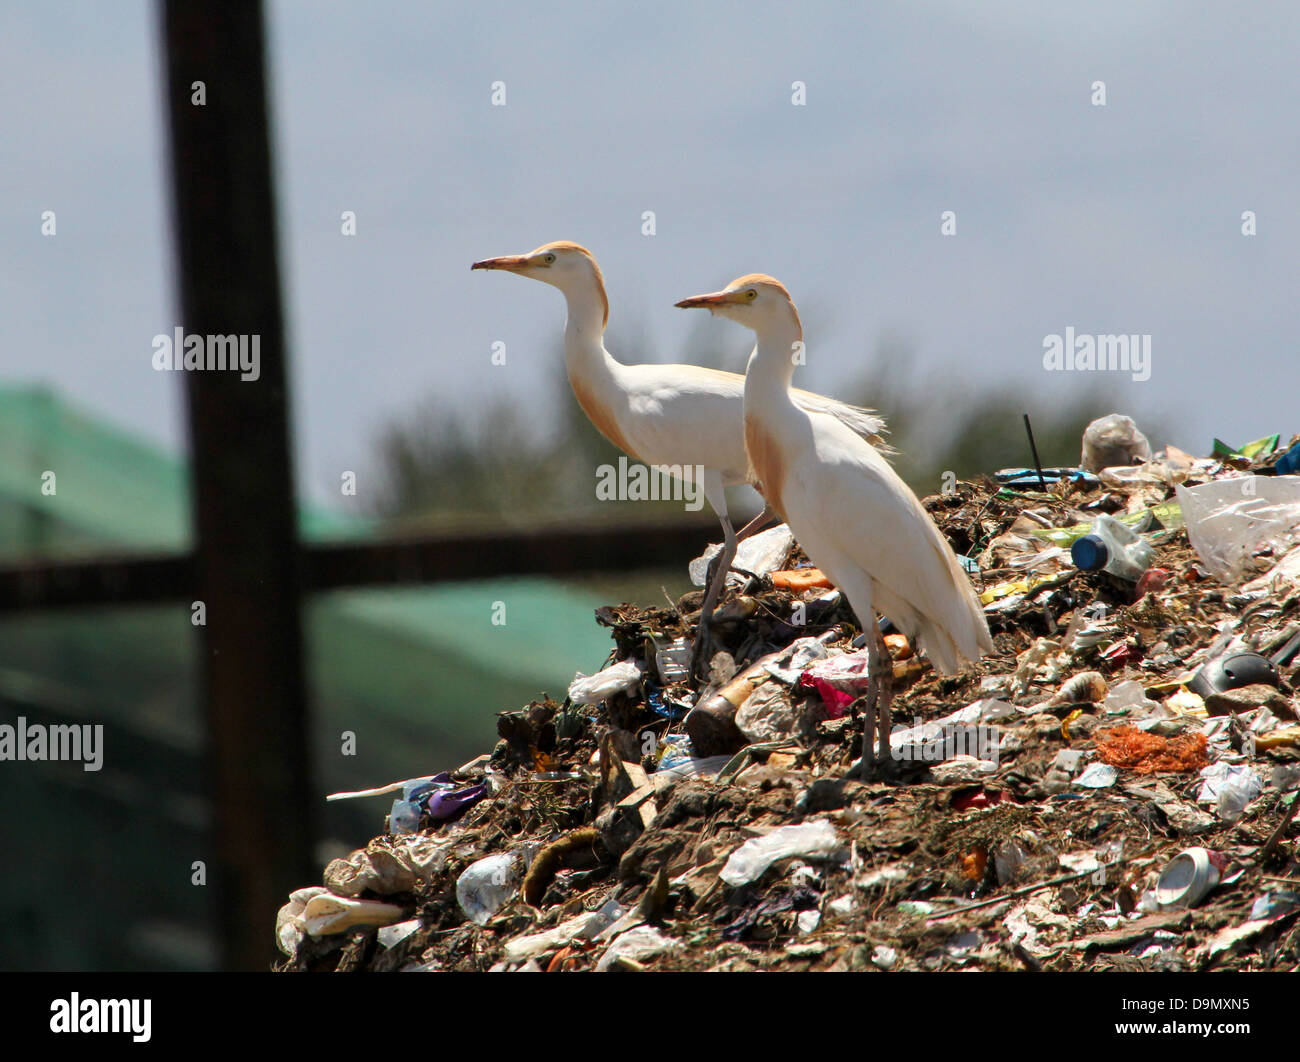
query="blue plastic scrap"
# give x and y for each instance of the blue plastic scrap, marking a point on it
(1028, 477)
(1289, 463)
(660, 705)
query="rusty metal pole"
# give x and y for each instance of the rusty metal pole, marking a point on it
(247, 565)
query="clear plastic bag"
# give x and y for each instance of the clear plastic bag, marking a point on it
(809, 840)
(1113, 440)
(1231, 519)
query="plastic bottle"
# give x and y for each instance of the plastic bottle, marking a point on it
(1113, 547)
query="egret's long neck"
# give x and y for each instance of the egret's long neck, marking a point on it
(772, 365)
(585, 355)
(770, 414)
(593, 373)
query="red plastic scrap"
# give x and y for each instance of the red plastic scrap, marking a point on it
(977, 798)
(835, 700)
(837, 680)
(1122, 653)
(1152, 582)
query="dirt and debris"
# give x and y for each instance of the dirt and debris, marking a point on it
(1032, 805)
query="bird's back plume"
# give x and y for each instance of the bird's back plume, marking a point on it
(867, 423)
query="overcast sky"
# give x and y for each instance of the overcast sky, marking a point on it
(1117, 219)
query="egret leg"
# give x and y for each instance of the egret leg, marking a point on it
(717, 577)
(716, 495)
(884, 699)
(757, 524)
(720, 566)
(877, 758)
(870, 713)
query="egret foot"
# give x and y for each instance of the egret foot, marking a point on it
(701, 657)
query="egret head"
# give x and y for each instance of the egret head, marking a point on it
(562, 264)
(757, 301)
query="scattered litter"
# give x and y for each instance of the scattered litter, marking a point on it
(1098, 776)
(1275, 905)
(1188, 877)
(811, 840)
(1230, 520)
(1146, 753)
(585, 926)
(388, 866)
(1112, 547)
(1230, 787)
(636, 945)
(617, 678)
(1035, 809)
(800, 579)
(392, 935)
(489, 884)
(962, 768)
(326, 913)
(1113, 440)
(759, 554)
(289, 925)
(1232, 671)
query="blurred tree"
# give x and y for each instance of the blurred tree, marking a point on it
(481, 462)
(941, 425)
(516, 462)
(523, 463)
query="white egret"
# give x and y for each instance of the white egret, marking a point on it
(678, 416)
(853, 515)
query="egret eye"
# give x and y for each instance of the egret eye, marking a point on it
(550, 258)
(751, 294)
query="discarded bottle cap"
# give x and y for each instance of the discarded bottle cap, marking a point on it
(1231, 672)
(1089, 553)
(1188, 877)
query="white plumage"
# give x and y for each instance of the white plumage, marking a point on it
(668, 415)
(858, 521)
(853, 515)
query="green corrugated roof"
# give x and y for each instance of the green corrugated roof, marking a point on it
(111, 486)
(428, 660)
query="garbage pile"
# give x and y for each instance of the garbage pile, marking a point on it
(1114, 788)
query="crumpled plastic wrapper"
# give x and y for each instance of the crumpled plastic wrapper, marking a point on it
(317, 912)
(385, 869)
(767, 714)
(762, 553)
(816, 839)
(1113, 440)
(617, 678)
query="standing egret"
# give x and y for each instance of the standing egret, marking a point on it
(853, 515)
(675, 416)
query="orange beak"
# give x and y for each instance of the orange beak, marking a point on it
(512, 263)
(708, 302)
